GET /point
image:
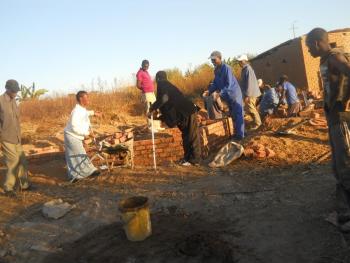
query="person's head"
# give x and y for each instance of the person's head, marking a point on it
(242, 60)
(267, 87)
(161, 76)
(260, 83)
(145, 64)
(283, 79)
(279, 87)
(216, 58)
(317, 42)
(12, 88)
(82, 98)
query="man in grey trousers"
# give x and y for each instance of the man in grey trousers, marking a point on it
(250, 90)
(335, 72)
(10, 129)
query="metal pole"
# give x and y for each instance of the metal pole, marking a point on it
(153, 145)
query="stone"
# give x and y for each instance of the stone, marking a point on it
(3, 252)
(315, 115)
(56, 208)
(269, 153)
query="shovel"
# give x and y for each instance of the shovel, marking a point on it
(291, 131)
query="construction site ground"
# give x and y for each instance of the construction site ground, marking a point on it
(271, 210)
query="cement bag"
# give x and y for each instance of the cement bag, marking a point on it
(227, 154)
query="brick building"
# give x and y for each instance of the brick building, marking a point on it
(293, 59)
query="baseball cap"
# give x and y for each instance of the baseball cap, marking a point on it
(243, 57)
(215, 54)
(12, 85)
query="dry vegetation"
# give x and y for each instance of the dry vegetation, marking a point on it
(118, 105)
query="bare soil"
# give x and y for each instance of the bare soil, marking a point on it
(270, 210)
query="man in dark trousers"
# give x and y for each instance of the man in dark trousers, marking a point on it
(178, 111)
(335, 72)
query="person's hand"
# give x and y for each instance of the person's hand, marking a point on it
(98, 114)
(205, 93)
(246, 100)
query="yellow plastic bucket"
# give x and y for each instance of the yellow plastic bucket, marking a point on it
(136, 217)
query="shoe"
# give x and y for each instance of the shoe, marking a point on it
(96, 173)
(10, 194)
(74, 180)
(184, 162)
(254, 128)
(237, 138)
(345, 228)
(28, 188)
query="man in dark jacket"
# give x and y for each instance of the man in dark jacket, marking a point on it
(176, 110)
(335, 72)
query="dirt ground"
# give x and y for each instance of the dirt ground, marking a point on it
(270, 210)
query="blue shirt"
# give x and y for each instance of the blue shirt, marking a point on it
(291, 93)
(249, 83)
(226, 83)
(269, 100)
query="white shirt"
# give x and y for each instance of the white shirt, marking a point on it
(79, 122)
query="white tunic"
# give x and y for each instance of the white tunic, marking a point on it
(79, 122)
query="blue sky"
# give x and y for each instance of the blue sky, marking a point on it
(63, 44)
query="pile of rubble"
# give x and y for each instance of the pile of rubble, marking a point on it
(258, 151)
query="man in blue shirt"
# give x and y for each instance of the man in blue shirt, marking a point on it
(290, 94)
(230, 92)
(250, 89)
(269, 101)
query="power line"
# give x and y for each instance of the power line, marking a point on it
(294, 28)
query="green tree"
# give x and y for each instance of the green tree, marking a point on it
(31, 92)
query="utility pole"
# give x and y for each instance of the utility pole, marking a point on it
(293, 28)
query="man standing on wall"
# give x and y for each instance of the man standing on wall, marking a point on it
(335, 71)
(10, 129)
(230, 92)
(145, 84)
(250, 90)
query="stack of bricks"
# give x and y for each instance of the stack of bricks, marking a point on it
(213, 135)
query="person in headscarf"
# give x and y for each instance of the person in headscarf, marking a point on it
(178, 111)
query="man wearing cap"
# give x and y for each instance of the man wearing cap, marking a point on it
(250, 89)
(145, 84)
(10, 130)
(227, 85)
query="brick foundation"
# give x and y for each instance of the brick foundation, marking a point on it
(213, 135)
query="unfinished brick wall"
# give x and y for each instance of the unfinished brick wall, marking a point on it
(292, 58)
(169, 149)
(213, 135)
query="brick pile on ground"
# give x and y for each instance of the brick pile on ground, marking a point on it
(114, 139)
(258, 151)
